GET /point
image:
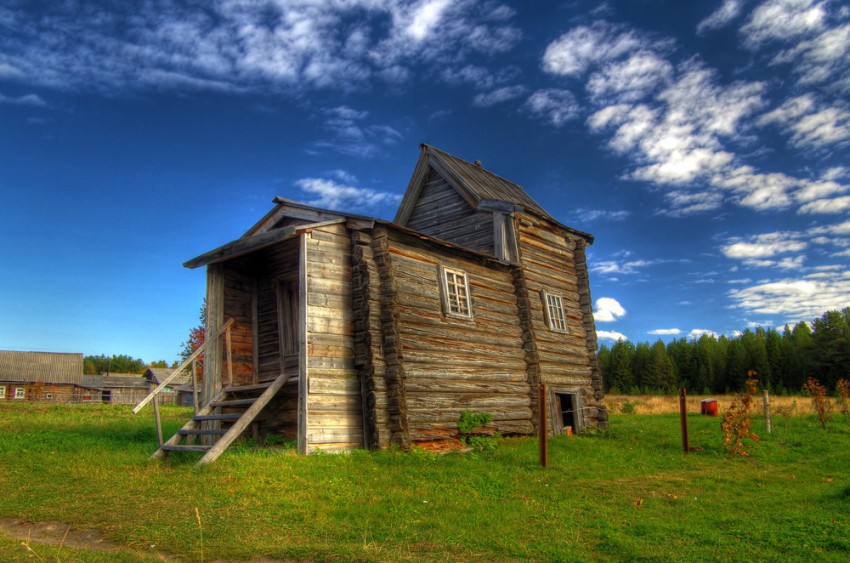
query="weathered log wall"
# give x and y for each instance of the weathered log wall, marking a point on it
(548, 256)
(451, 363)
(442, 213)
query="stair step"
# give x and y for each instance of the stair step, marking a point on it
(226, 416)
(196, 432)
(248, 388)
(233, 402)
(171, 448)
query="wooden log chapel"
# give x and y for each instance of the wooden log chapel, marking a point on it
(361, 332)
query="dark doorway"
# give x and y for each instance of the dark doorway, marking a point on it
(567, 407)
(105, 396)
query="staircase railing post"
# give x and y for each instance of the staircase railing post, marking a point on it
(158, 421)
(194, 386)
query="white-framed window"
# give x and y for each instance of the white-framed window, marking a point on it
(455, 293)
(553, 309)
(2, 391)
(20, 393)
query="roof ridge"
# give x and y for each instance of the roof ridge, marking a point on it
(479, 165)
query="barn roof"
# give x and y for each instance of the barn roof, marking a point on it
(47, 367)
(480, 187)
(158, 375)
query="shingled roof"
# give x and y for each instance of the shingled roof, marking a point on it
(47, 367)
(481, 188)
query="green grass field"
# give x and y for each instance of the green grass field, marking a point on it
(625, 494)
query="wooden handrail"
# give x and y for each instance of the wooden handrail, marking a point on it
(209, 340)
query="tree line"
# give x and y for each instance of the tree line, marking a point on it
(782, 359)
(119, 363)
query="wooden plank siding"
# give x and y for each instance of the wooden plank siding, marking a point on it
(565, 360)
(442, 213)
(334, 420)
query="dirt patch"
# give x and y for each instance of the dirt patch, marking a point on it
(56, 534)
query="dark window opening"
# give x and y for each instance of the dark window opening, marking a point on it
(105, 396)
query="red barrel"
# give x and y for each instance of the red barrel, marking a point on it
(708, 407)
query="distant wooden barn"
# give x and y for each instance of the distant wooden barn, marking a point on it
(361, 332)
(179, 389)
(42, 376)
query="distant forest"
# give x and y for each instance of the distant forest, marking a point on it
(783, 359)
(119, 363)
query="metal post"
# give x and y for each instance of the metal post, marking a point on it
(683, 415)
(542, 425)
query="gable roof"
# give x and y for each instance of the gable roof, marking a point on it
(480, 187)
(158, 375)
(47, 367)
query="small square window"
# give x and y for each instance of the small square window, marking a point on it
(20, 393)
(2, 391)
(456, 293)
(553, 307)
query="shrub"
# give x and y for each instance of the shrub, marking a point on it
(628, 407)
(736, 420)
(843, 388)
(820, 401)
(468, 422)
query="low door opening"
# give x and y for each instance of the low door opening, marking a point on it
(568, 410)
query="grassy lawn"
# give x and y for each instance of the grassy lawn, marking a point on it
(626, 494)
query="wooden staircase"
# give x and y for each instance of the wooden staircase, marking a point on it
(236, 406)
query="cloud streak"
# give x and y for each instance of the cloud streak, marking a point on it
(238, 46)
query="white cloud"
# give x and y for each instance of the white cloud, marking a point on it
(697, 333)
(352, 135)
(32, 100)
(666, 331)
(612, 335)
(585, 215)
(810, 124)
(556, 106)
(809, 36)
(580, 48)
(608, 310)
(424, 18)
(631, 79)
(335, 195)
(620, 267)
(499, 96)
(728, 11)
(835, 205)
(764, 245)
(802, 298)
(776, 20)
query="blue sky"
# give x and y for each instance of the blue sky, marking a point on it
(704, 144)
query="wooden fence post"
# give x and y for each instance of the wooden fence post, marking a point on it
(767, 410)
(542, 425)
(683, 416)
